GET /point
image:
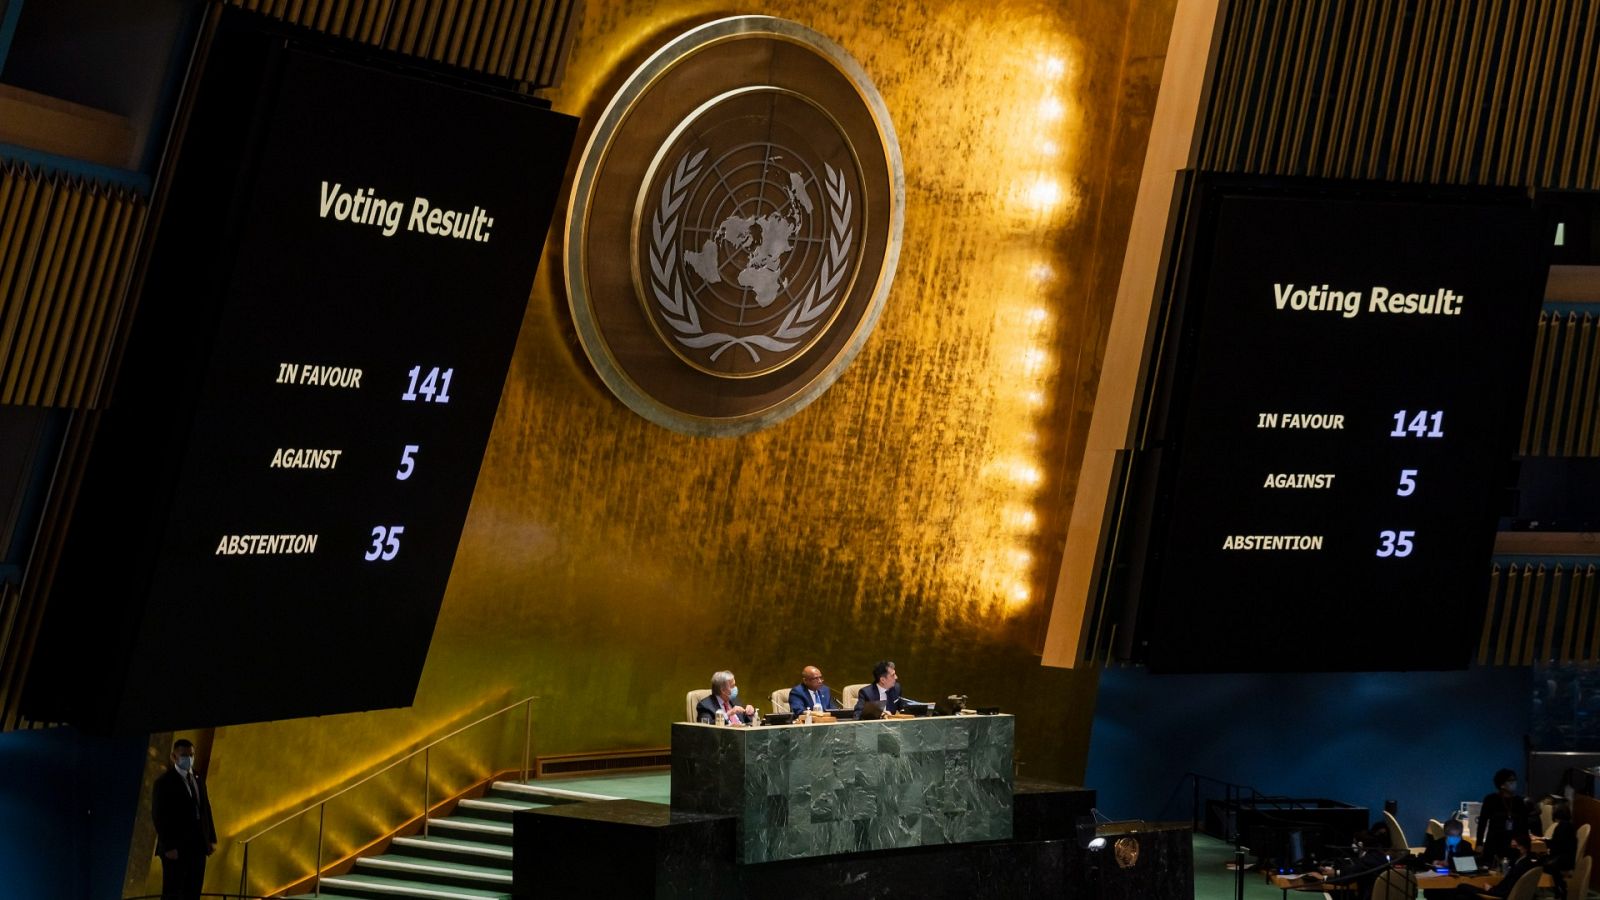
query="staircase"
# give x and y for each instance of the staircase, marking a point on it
(465, 856)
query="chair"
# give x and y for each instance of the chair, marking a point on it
(848, 698)
(780, 700)
(1527, 886)
(1435, 829)
(1583, 843)
(1578, 881)
(1394, 884)
(1397, 835)
(1547, 817)
(691, 701)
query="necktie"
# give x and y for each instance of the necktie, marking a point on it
(194, 792)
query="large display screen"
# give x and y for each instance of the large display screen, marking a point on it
(1333, 425)
(276, 494)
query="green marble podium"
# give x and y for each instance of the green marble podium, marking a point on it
(817, 790)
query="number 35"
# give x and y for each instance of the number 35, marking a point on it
(386, 543)
(1395, 543)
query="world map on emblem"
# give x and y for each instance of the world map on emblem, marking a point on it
(757, 245)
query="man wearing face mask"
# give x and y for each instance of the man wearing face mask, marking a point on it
(1441, 850)
(724, 691)
(185, 834)
(1503, 822)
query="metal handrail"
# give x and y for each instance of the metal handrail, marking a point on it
(427, 799)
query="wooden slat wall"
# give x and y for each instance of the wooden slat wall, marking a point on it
(1501, 92)
(1541, 613)
(1564, 388)
(66, 248)
(524, 40)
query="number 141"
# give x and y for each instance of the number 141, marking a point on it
(1424, 424)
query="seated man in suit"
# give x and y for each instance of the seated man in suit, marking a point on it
(884, 689)
(724, 690)
(810, 693)
(1441, 850)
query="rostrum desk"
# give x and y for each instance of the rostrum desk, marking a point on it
(816, 790)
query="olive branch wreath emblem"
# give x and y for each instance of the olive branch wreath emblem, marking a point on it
(666, 277)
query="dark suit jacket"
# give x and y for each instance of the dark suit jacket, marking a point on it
(1501, 820)
(183, 823)
(706, 710)
(1436, 850)
(873, 693)
(799, 700)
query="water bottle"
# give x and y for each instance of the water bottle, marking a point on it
(755, 719)
(722, 717)
(808, 717)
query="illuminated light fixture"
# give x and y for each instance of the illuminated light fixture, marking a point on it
(1041, 271)
(1049, 148)
(1055, 66)
(1034, 398)
(1038, 315)
(1019, 593)
(1045, 193)
(1034, 360)
(1023, 519)
(1051, 109)
(1025, 474)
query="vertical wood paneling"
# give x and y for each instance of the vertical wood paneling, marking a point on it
(524, 40)
(1491, 92)
(64, 249)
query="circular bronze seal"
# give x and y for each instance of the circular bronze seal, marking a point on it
(1127, 850)
(734, 226)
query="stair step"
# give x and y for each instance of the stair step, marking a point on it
(382, 888)
(435, 871)
(467, 828)
(498, 809)
(458, 849)
(540, 794)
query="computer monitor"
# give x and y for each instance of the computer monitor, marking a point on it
(871, 709)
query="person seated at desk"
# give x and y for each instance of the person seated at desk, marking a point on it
(1562, 846)
(1503, 821)
(1441, 853)
(884, 689)
(1441, 850)
(724, 690)
(810, 693)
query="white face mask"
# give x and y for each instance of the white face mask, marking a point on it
(1511, 787)
(733, 692)
(185, 763)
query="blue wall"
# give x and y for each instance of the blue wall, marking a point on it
(67, 804)
(1425, 739)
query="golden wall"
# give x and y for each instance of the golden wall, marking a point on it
(915, 512)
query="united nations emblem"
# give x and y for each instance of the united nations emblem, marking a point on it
(751, 176)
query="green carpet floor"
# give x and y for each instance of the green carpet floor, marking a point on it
(1213, 880)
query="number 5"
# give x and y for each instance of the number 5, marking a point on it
(1408, 483)
(406, 462)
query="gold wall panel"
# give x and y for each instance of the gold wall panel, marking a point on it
(914, 512)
